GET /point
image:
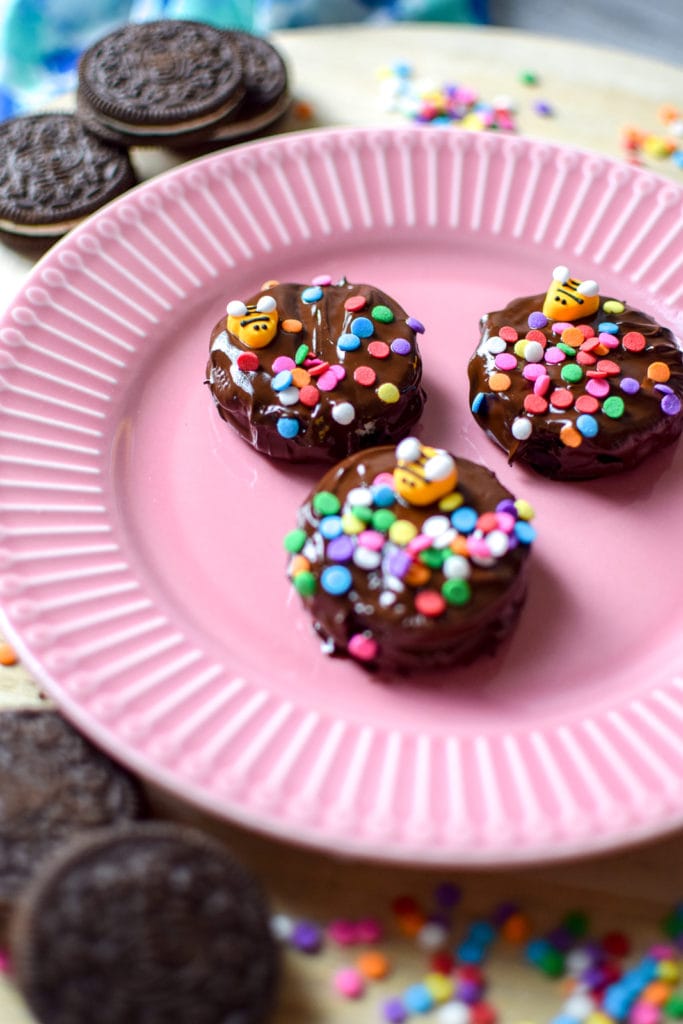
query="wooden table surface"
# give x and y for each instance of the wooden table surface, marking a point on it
(594, 93)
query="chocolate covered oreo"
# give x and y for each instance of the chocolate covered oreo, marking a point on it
(152, 923)
(53, 174)
(53, 785)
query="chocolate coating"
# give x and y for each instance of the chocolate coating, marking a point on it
(621, 442)
(382, 606)
(53, 173)
(246, 399)
(149, 924)
(53, 785)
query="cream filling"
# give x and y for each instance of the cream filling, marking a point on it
(173, 126)
(39, 230)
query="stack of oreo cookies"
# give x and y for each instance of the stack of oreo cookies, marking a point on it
(178, 84)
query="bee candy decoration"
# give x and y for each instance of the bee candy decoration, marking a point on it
(409, 559)
(315, 372)
(575, 384)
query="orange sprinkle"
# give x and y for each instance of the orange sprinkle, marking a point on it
(8, 656)
(516, 928)
(499, 382)
(417, 574)
(300, 377)
(459, 545)
(570, 436)
(298, 564)
(268, 284)
(292, 326)
(303, 110)
(573, 336)
(668, 113)
(657, 993)
(658, 372)
(410, 924)
(373, 964)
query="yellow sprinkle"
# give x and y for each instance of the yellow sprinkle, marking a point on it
(352, 524)
(520, 347)
(439, 986)
(524, 509)
(655, 145)
(401, 532)
(473, 122)
(388, 393)
(613, 306)
(668, 970)
(597, 1017)
(451, 502)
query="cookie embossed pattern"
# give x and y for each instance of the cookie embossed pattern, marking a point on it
(115, 567)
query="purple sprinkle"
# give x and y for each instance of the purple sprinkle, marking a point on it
(469, 991)
(507, 505)
(537, 320)
(447, 895)
(415, 325)
(671, 405)
(394, 1011)
(629, 385)
(504, 910)
(340, 549)
(398, 563)
(561, 939)
(664, 388)
(307, 937)
(401, 346)
(543, 108)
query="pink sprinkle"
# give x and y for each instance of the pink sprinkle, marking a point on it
(338, 371)
(662, 951)
(506, 521)
(559, 327)
(362, 646)
(372, 539)
(418, 544)
(368, 929)
(554, 354)
(586, 330)
(4, 962)
(505, 361)
(342, 932)
(541, 384)
(349, 982)
(383, 480)
(608, 340)
(598, 387)
(322, 280)
(645, 1013)
(477, 547)
(533, 370)
(283, 363)
(589, 344)
(327, 381)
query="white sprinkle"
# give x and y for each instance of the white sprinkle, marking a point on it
(457, 567)
(289, 396)
(521, 428)
(495, 345)
(498, 543)
(282, 927)
(344, 413)
(533, 352)
(361, 496)
(366, 559)
(435, 525)
(445, 538)
(386, 599)
(452, 1013)
(432, 936)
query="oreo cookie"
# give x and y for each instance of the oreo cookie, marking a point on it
(53, 785)
(53, 174)
(160, 82)
(152, 922)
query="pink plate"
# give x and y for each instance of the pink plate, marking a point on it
(141, 562)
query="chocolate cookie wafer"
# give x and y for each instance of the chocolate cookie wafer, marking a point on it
(53, 173)
(160, 82)
(53, 784)
(163, 927)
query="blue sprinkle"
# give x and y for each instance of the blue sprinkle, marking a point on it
(362, 327)
(330, 527)
(608, 328)
(677, 157)
(482, 931)
(418, 999)
(348, 342)
(281, 380)
(464, 519)
(524, 532)
(287, 427)
(312, 294)
(471, 952)
(587, 425)
(479, 403)
(536, 950)
(383, 496)
(336, 580)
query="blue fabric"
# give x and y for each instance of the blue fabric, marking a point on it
(41, 40)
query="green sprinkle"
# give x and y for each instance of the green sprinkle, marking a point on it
(305, 583)
(673, 1007)
(572, 373)
(613, 407)
(576, 923)
(294, 541)
(552, 963)
(567, 349)
(433, 558)
(456, 591)
(382, 519)
(528, 78)
(672, 925)
(383, 314)
(301, 354)
(362, 512)
(326, 504)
